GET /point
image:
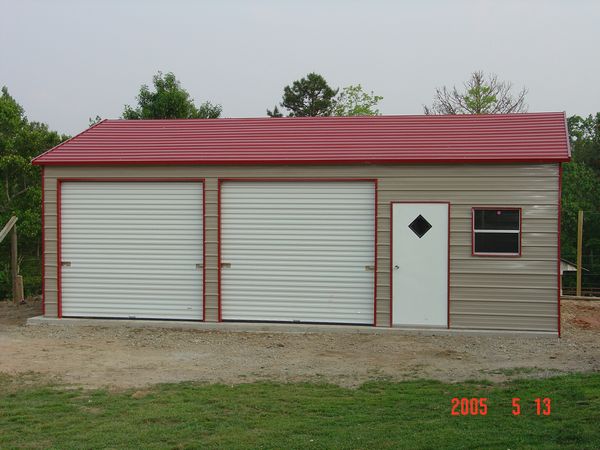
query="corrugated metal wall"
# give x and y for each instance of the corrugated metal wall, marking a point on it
(133, 249)
(488, 293)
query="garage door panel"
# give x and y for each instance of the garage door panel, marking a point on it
(307, 316)
(133, 240)
(339, 241)
(154, 278)
(249, 247)
(135, 290)
(133, 249)
(276, 287)
(115, 249)
(269, 294)
(300, 259)
(299, 263)
(297, 251)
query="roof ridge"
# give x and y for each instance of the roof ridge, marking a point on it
(336, 118)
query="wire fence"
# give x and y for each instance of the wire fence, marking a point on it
(590, 256)
(30, 269)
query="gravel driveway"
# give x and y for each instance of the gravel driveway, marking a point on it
(122, 358)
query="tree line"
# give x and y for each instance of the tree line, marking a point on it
(21, 140)
(312, 96)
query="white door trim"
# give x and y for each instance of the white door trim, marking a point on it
(392, 203)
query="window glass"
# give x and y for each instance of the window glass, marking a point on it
(496, 243)
(496, 231)
(496, 219)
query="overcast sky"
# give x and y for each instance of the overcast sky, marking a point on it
(67, 61)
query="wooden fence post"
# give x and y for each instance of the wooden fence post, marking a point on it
(579, 249)
(17, 280)
(20, 290)
(14, 261)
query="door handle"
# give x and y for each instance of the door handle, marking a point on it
(396, 267)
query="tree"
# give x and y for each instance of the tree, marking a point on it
(585, 140)
(353, 101)
(307, 97)
(275, 112)
(482, 95)
(94, 121)
(581, 191)
(169, 101)
(20, 185)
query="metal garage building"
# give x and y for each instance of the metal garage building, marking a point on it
(417, 221)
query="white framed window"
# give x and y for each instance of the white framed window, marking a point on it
(496, 231)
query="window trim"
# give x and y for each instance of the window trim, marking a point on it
(494, 208)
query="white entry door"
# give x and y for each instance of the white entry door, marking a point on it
(420, 264)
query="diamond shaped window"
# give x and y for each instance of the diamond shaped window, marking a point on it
(420, 226)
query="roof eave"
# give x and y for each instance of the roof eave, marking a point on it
(305, 162)
(35, 162)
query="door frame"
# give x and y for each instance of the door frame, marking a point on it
(60, 181)
(222, 180)
(392, 203)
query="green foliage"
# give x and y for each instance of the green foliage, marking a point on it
(585, 139)
(94, 121)
(377, 415)
(275, 112)
(354, 101)
(312, 96)
(482, 94)
(581, 191)
(480, 99)
(307, 97)
(169, 100)
(20, 185)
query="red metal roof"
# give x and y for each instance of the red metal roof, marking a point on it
(535, 137)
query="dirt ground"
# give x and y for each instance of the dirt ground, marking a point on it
(117, 358)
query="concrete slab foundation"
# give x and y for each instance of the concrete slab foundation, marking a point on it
(245, 327)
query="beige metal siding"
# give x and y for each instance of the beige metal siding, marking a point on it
(487, 293)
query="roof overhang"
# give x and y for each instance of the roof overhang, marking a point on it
(460, 139)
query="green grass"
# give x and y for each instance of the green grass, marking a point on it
(513, 371)
(262, 415)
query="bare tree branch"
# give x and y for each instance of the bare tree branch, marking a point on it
(481, 94)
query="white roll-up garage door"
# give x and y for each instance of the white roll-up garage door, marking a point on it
(297, 251)
(132, 249)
